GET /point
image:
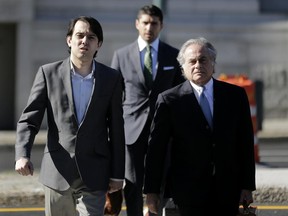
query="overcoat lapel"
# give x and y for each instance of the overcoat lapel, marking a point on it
(192, 103)
(218, 113)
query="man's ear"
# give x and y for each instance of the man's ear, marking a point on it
(137, 24)
(68, 41)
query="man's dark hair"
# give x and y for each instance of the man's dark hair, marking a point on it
(151, 10)
(95, 27)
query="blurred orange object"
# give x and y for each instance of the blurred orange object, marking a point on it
(249, 86)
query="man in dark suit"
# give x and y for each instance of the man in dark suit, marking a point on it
(85, 151)
(139, 97)
(212, 164)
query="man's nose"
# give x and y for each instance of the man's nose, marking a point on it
(197, 64)
(148, 26)
(85, 40)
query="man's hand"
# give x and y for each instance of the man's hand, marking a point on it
(24, 166)
(246, 196)
(115, 185)
(153, 202)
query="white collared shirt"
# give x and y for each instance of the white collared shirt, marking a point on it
(208, 93)
(154, 50)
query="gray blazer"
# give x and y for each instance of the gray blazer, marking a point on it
(95, 150)
(138, 101)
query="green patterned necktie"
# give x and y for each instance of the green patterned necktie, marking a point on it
(148, 67)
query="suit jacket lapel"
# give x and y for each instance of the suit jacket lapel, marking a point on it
(192, 103)
(161, 59)
(98, 81)
(134, 54)
(65, 71)
(97, 76)
(218, 109)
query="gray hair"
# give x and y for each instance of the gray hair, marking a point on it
(200, 41)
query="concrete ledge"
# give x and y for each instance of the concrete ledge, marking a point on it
(16, 190)
(272, 129)
(34, 198)
(271, 195)
(16, 199)
(9, 137)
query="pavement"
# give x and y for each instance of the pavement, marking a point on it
(271, 181)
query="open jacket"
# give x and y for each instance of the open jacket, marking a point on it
(94, 149)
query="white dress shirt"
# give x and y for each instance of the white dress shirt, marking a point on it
(208, 93)
(154, 52)
(82, 91)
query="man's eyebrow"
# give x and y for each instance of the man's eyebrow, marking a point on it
(88, 34)
(91, 33)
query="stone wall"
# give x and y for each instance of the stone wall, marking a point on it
(248, 42)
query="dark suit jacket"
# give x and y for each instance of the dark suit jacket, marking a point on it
(95, 150)
(196, 149)
(138, 101)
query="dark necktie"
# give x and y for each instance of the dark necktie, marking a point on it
(148, 67)
(206, 108)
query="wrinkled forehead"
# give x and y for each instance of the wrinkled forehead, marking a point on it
(196, 51)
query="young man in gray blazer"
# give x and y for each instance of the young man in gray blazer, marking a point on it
(84, 156)
(139, 96)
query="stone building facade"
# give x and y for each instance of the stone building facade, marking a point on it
(250, 39)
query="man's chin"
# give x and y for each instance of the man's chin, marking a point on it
(149, 39)
(199, 80)
(83, 56)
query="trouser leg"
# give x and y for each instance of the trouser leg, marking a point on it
(133, 199)
(134, 176)
(59, 203)
(77, 200)
(91, 203)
